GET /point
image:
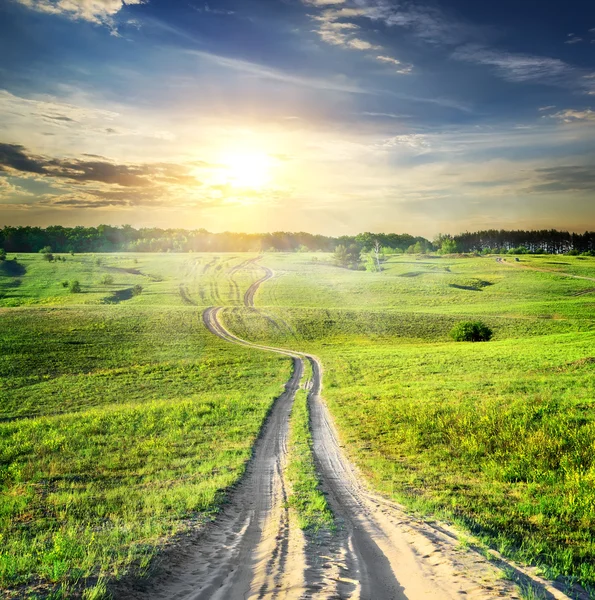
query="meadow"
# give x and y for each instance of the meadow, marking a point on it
(121, 423)
(124, 421)
(495, 436)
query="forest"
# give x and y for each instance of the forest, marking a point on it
(107, 238)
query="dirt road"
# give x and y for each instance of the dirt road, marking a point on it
(377, 552)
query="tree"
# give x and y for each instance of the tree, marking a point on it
(471, 331)
(377, 250)
(47, 253)
(348, 257)
(446, 244)
(107, 279)
(75, 287)
(2, 254)
(341, 256)
(137, 290)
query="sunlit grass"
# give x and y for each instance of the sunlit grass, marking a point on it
(120, 424)
(496, 436)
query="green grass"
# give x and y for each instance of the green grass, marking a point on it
(496, 436)
(121, 425)
(111, 403)
(306, 496)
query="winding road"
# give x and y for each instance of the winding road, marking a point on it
(255, 549)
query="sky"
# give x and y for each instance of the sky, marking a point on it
(327, 116)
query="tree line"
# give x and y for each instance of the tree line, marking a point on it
(547, 241)
(107, 238)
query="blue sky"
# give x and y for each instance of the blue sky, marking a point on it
(318, 115)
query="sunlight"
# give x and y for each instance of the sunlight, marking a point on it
(248, 169)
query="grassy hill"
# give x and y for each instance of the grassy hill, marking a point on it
(123, 420)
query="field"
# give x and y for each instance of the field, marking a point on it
(121, 423)
(124, 421)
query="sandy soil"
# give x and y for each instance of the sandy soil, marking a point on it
(378, 551)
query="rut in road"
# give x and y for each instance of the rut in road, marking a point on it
(255, 549)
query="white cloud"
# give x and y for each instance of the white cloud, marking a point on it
(264, 72)
(402, 69)
(573, 116)
(358, 44)
(516, 67)
(415, 141)
(573, 39)
(546, 108)
(336, 29)
(324, 2)
(94, 11)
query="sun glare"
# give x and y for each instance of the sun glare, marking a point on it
(248, 169)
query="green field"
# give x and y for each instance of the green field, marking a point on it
(124, 420)
(120, 423)
(498, 436)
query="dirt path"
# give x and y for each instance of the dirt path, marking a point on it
(255, 549)
(251, 291)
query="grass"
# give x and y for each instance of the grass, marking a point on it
(111, 402)
(306, 496)
(121, 425)
(498, 436)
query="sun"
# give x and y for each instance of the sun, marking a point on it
(249, 169)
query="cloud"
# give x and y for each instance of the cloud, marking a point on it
(401, 68)
(572, 116)
(425, 22)
(50, 110)
(359, 44)
(384, 115)
(14, 157)
(573, 39)
(264, 72)
(415, 141)
(516, 67)
(546, 108)
(565, 179)
(100, 12)
(334, 30)
(324, 2)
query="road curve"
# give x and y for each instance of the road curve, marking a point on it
(255, 550)
(251, 291)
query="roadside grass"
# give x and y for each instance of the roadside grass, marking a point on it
(306, 496)
(121, 425)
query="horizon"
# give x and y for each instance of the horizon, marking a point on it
(334, 115)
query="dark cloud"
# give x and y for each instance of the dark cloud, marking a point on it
(13, 156)
(566, 179)
(59, 118)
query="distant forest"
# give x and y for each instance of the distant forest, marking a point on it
(106, 238)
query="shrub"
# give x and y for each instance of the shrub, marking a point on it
(2, 254)
(107, 279)
(65, 284)
(471, 331)
(137, 290)
(75, 287)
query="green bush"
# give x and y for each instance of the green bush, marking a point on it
(75, 287)
(2, 254)
(471, 331)
(65, 284)
(137, 290)
(107, 279)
